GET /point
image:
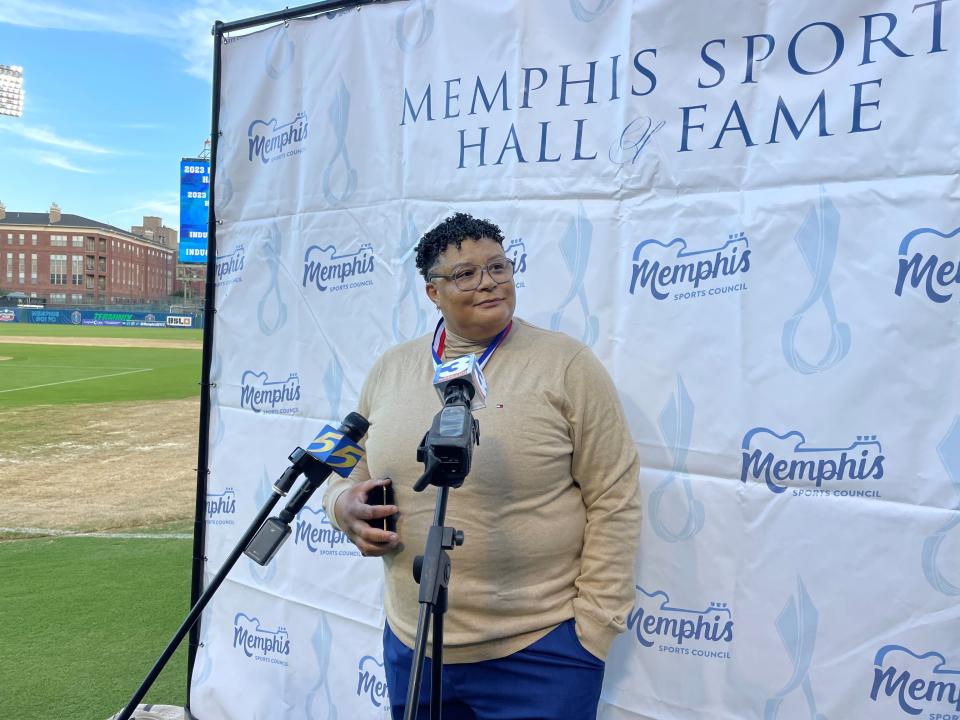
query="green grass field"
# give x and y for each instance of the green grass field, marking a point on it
(70, 374)
(84, 619)
(91, 331)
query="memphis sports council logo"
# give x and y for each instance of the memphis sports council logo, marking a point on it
(787, 460)
(517, 252)
(371, 682)
(269, 141)
(328, 270)
(260, 643)
(672, 269)
(274, 397)
(229, 266)
(691, 632)
(920, 683)
(315, 533)
(939, 278)
(221, 507)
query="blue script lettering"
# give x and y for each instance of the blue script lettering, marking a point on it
(276, 643)
(891, 681)
(716, 629)
(633, 140)
(266, 395)
(322, 272)
(369, 684)
(690, 267)
(808, 464)
(271, 147)
(934, 275)
(225, 504)
(313, 536)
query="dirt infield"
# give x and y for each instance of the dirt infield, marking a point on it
(98, 467)
(102, 342)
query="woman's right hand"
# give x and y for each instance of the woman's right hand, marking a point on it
(354, 516)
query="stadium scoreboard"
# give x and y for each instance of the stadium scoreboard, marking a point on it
(194, 209)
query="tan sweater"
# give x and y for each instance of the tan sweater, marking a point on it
(550, 510)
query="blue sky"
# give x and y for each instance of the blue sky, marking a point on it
(115, 94)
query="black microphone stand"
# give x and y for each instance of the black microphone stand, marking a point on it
(446, 452)
(260, 541)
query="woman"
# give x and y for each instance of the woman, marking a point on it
(550, 510)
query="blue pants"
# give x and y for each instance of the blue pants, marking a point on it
(555, 678)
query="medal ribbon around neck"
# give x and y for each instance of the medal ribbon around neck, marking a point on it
(440, 340)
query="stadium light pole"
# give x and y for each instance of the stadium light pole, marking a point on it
(11, 90)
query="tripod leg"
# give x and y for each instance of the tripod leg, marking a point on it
(197, 609)
(436, 667)
(416, 665)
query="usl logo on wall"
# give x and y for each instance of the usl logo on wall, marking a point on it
(788, 461)
(327, 269)
(691, 632)
(920, 683)
(261, 394)
(679, 272)
(221, 507)
(924, 270)
(260, 643)
(269, 140)
(315, 533)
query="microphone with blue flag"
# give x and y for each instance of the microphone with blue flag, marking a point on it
(333, 450)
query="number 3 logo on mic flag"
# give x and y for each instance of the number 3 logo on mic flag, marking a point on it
(468, 368)
(458, 367)
(336, 450)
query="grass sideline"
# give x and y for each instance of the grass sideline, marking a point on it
(96, 331)
(84, 619)
(71, 374)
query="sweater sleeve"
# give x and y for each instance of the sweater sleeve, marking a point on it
(361, 472)
(606, 467)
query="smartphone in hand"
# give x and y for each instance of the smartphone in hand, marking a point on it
(383, 495)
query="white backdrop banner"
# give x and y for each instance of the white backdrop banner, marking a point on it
(750, 211)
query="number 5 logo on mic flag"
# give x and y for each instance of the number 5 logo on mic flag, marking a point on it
(336, 450)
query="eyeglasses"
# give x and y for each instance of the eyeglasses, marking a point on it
(469, 277)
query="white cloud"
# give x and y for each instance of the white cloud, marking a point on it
(48, 137)
(182, 26)
(167, 206)
(128, 18)
(197, 48)
(56, 160)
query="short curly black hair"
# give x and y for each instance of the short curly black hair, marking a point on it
(453, 231)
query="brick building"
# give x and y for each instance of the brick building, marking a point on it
(62, 259)
(155, 231)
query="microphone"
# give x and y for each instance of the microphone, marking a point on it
(465, 370)
(446, 451)
(332, 450)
